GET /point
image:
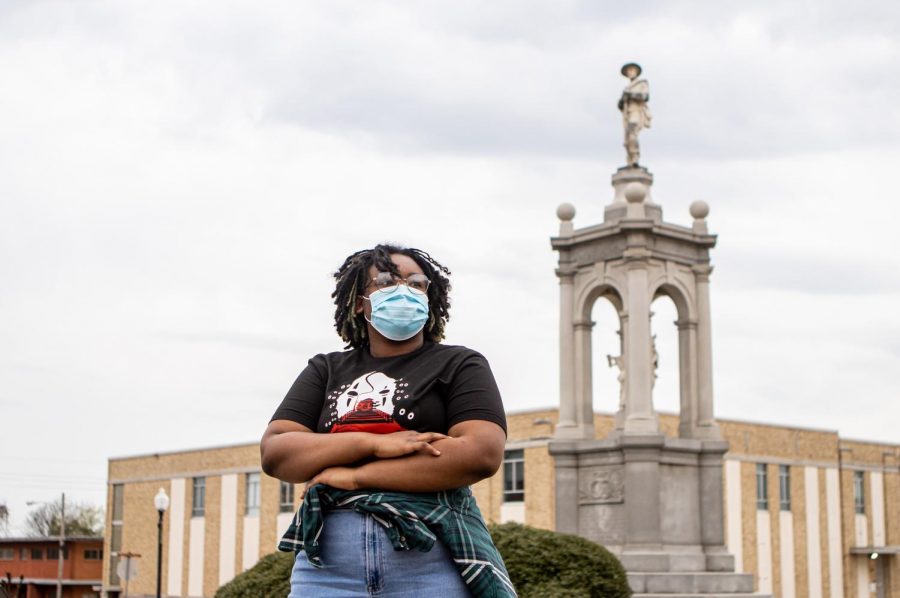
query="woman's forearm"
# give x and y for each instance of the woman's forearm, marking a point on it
(474, 452)
(294, 453)
(460, 463)
(296, 456)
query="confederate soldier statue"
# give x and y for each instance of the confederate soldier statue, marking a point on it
(635, 113)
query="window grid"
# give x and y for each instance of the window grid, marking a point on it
(93, 554)
(252, 496)
(514, 476)
(198, 501)
(762, 487)
(784, 487)
(7, 554)
(118, 502)
(859, 492)
(53, 553)
(286, 498)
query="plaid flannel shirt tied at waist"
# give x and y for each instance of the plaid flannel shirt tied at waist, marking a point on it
(412, 520)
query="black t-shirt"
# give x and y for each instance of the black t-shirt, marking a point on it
(429, 390)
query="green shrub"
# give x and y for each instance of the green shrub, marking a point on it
(269, 578)
(549, 564)
(542, 564)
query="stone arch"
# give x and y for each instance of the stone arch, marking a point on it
(676, 290)
(594, 290)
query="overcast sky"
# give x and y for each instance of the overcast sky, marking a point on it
(179, 180)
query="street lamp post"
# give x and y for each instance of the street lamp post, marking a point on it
(161, 502)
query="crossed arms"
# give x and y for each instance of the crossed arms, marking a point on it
(403, 461)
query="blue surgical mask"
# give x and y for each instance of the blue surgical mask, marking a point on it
(398, 313)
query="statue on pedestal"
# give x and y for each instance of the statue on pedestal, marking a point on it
(635, 113)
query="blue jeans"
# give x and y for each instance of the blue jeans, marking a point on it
(360, 561)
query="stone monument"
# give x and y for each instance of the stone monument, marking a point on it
(655, 501)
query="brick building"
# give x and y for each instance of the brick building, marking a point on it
(806, 510)
(35, 561)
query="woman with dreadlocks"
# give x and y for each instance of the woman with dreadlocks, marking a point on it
(388, 435)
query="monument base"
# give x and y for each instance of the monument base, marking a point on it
(657, 504)
(618, 209)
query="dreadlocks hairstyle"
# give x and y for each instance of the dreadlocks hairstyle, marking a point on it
(353, 276)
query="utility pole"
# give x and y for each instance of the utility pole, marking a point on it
(62, 546)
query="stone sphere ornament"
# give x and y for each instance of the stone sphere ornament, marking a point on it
(635, 192)
(699, 209)
(565, 212)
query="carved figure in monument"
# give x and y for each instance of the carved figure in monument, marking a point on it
(619, 362)
(635, 113)
(654, 359)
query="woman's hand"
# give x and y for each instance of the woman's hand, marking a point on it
(398, 444)
(336, 477)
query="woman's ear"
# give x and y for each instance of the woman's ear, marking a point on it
(358, 308)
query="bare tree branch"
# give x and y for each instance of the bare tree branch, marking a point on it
(81, 520)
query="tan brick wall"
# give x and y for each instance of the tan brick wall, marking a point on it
(483, 497)
(139, 534)
(779, 442)
(239, 528)
(775, 527)
(107, 534)
(269, 491)
(823, 534)
(521, 426)
(892, 519)
(847, 533)
(748, 516)
(211, 547)
(185, 463)
(540, 488)
(186, 543)
(798, 512)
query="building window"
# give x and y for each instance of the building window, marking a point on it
(7, 554)
(762, 487)
(93, 554)
(37, 554)
(198, 502)
(115, 537)
(514, 476)
(53, 553)
(286, 498)
(252, 500)
(118, 501)
(25, 554)
(859, 492)
(784, 487)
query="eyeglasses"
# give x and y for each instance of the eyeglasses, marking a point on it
(385, 281)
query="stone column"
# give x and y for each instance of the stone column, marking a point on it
(712, 510)
(566, 468)
(567, 426)
(642, 496)
(639, 415)
(706, 426)
(584, 396)
(623, 389)
(687, 376)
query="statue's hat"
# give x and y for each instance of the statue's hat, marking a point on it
(635, 65)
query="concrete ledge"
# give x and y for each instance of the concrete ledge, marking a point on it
(688, 583)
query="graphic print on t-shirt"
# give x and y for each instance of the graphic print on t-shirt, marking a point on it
(371, 403)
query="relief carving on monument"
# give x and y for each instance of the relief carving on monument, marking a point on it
(602, 486)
